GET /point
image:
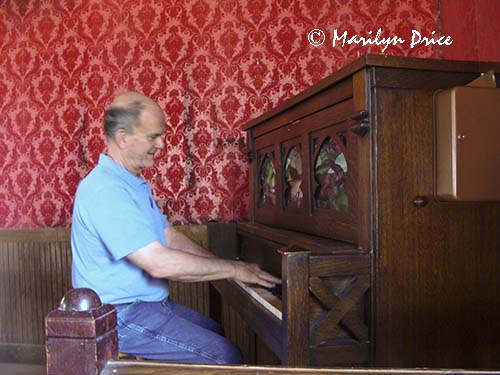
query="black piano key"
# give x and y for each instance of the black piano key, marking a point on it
(276, 290)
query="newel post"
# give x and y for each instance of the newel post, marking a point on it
(80, 334)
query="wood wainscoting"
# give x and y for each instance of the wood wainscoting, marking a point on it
(193, 295)
(35, 273)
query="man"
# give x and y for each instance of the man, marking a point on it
(124, 248)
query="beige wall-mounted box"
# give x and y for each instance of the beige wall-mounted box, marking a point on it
(467, 121)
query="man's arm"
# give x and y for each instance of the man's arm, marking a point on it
(174, 264)
(178, 240)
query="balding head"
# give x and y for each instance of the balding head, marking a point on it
(126, 111)
(127, 98)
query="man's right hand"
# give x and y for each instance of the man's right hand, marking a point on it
(252, 274)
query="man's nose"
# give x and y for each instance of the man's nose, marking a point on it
(160, 143)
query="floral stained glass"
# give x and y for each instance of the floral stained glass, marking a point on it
(267, 181)
(330, 170)
(293, 178)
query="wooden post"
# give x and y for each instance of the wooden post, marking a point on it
(81, 334)
(295, 274)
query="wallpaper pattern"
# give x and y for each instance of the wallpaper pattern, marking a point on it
(212, 66)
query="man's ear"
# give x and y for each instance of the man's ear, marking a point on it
(121, 138)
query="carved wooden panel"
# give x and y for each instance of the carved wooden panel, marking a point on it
(339, 317)
(337, 310)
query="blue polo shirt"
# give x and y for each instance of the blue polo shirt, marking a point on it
(114, 215)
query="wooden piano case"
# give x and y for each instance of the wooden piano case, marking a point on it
(375, 270)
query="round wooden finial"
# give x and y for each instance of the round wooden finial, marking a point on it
(80, 299)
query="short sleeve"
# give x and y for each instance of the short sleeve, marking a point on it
(164, 220)
(121, 222)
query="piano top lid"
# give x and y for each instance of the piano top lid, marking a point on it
(383, 61)
(300, 241)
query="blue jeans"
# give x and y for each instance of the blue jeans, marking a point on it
(168, 331)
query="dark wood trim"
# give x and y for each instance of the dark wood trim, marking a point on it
(22, 369)
(307, 242)
(295, 321)
(35, 235)
(22, 353)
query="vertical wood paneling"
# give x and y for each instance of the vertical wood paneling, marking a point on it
(35, 271)
(193, 295)
(239, 333)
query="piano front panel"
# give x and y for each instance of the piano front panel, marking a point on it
(314, 179)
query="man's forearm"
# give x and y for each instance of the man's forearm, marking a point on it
(180, 265)
(178, 240)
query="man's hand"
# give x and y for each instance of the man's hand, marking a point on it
(252, 274)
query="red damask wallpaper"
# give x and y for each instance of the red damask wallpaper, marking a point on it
(212, 66)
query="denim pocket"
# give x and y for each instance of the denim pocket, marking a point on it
(123, 310)
(165, 303)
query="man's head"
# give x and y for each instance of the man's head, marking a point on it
(134, 125)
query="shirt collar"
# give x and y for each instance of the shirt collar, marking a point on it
(108, 163)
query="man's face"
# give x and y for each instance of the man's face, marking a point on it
(145, 140)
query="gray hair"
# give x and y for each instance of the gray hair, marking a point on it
(122, 117)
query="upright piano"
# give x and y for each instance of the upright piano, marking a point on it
(375, 269)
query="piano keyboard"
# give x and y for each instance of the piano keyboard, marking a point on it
(267, 298)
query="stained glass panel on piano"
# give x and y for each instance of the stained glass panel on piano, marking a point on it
(330, 170)
(293, 179)
(334, 172)
(267, 181)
